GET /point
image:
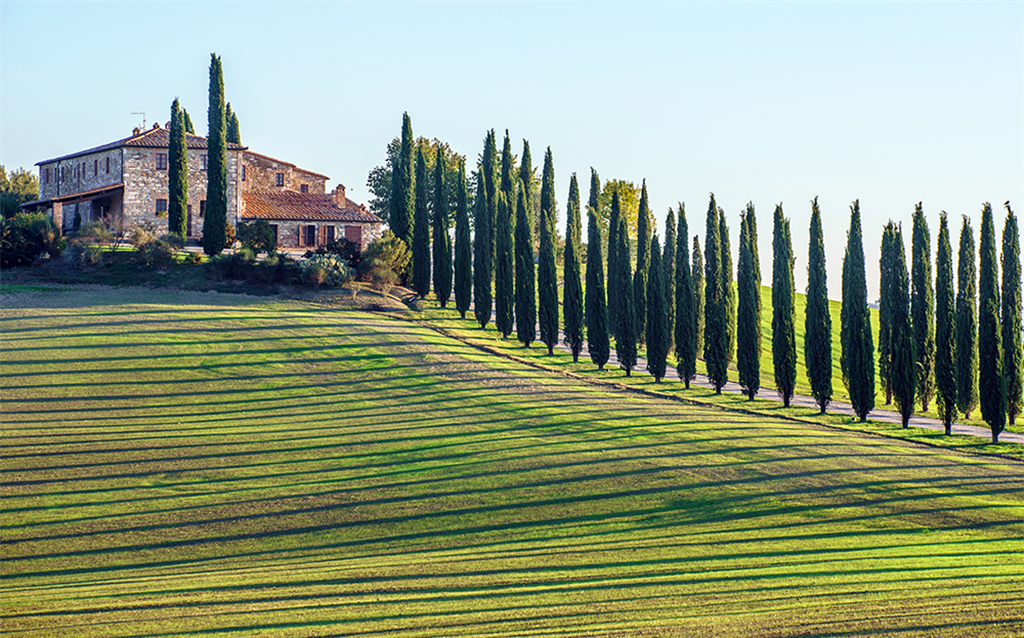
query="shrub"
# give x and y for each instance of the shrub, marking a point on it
(229, 235)
(26, 236)
(347, 250)
(258, 236)
(326, 270)
(237, 265)
(388, 253)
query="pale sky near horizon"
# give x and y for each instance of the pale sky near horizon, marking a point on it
(891, 103)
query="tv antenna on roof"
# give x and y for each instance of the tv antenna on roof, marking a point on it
(143, 114)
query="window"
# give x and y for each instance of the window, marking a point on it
(202, 162)
(273, 227)
(161, 207)
(243, 172)
(279, 179)
(161, 161)
(108, 164)
(95, 167)
(328, 233)
(47, 179)
(304, 188)
(202, 207)
(62, 173)
(188, 224)
(309, 235)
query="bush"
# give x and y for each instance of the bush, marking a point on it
(27, 236)
(387, 254)
(326, 270)
(347, 250)
(258, 236)
(237, 265)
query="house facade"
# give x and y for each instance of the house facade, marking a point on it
(124, 184)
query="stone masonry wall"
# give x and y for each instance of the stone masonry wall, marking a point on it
(261, 174)
(82, 173)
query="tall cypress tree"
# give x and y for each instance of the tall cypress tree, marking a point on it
(783, 309)
(922, 309)
(463, 247)
(716, 338)
(614, 292)
(966, 323)
(189, 128)
(234, 134)
(657, 316)
(818, 321)
(643, 264)
(597, 311)
(668, 266)
(421, 231)
(483, 240)
(177, 174)
(504, 289)
(489, 166)
(686, 310)
(526, 304)
(945, 329)
(857, 358)
(697, 276)
(992, 384)
(572, 291)
(403, 197)
(547, 275)
(902, 377)
(886, 264)
(1013, 350)
(508, 181)
(216, 216)
(442, 253)
(625, 337)
(748, 306)
(728, 286)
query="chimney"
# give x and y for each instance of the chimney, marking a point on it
(338, 195)
(136, 131)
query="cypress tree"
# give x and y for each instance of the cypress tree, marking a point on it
(403, 197)
(643, 264)
(783, 309)
(716, 338)
(526, 183)
(625, 338)
(902, 377)
(421, 231)
(945, 329)
(1013, 350)
(188, 122)
(857, 360)
(508, 182)
(547, 275)
(728, 287)
(886, 265)
(463, 247)
(177, 174)
(966, 324)
(922, 309)
(668, 266)
(483, 239)
(748, 306)
(991, 383)
(697, 277)
(572, 292)
(614, 292)
(234, 134)
(818, 321)
(526, 298)
(504, 289)
(216, 216)
(490, 179)
(442, 254)
(657, 315)
(686, 311)
(597, 312)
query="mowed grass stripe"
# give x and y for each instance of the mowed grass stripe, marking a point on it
(347, 474)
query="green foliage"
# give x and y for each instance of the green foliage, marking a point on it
(922, 309)
(686, 304)
(886, 264)
(234, 133)
(177, 174)
(668, 265)
(748, 306)
(697, 276)
(26, 236)
(966, 323)
(402, 204)
(657, 316)
(525, 301)
(463, 246)
(1013, 350)
(572, 292)
(902, 377)
(421, 231)
(326, 270)
(730, 289)
(215, 219)
(615, 293)
(442, 247)
(818, 321)
(547, 275)
(596, 308)
(783, 309)
(625, 334)
(483, 241)
(258, 236)
(386, 259)
(857, 360)
(380, 181)
(187, 120)
(17, 188)
(991, 383)
(504, 289)
(716, 337)
(643, 264)
(629, 206)
(945, 329)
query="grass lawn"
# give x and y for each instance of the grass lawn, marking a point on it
(183, 463)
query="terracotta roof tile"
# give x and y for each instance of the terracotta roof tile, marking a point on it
(290, 205)
(153, 138)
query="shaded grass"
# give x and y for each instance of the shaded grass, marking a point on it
(231, 467)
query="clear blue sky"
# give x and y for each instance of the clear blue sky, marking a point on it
(891, 103)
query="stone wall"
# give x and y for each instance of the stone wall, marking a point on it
(289, 233)
(82, 173)
(261, 174)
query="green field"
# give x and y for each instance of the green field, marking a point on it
(201, 464)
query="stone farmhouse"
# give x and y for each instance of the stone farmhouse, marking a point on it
(124, 184)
